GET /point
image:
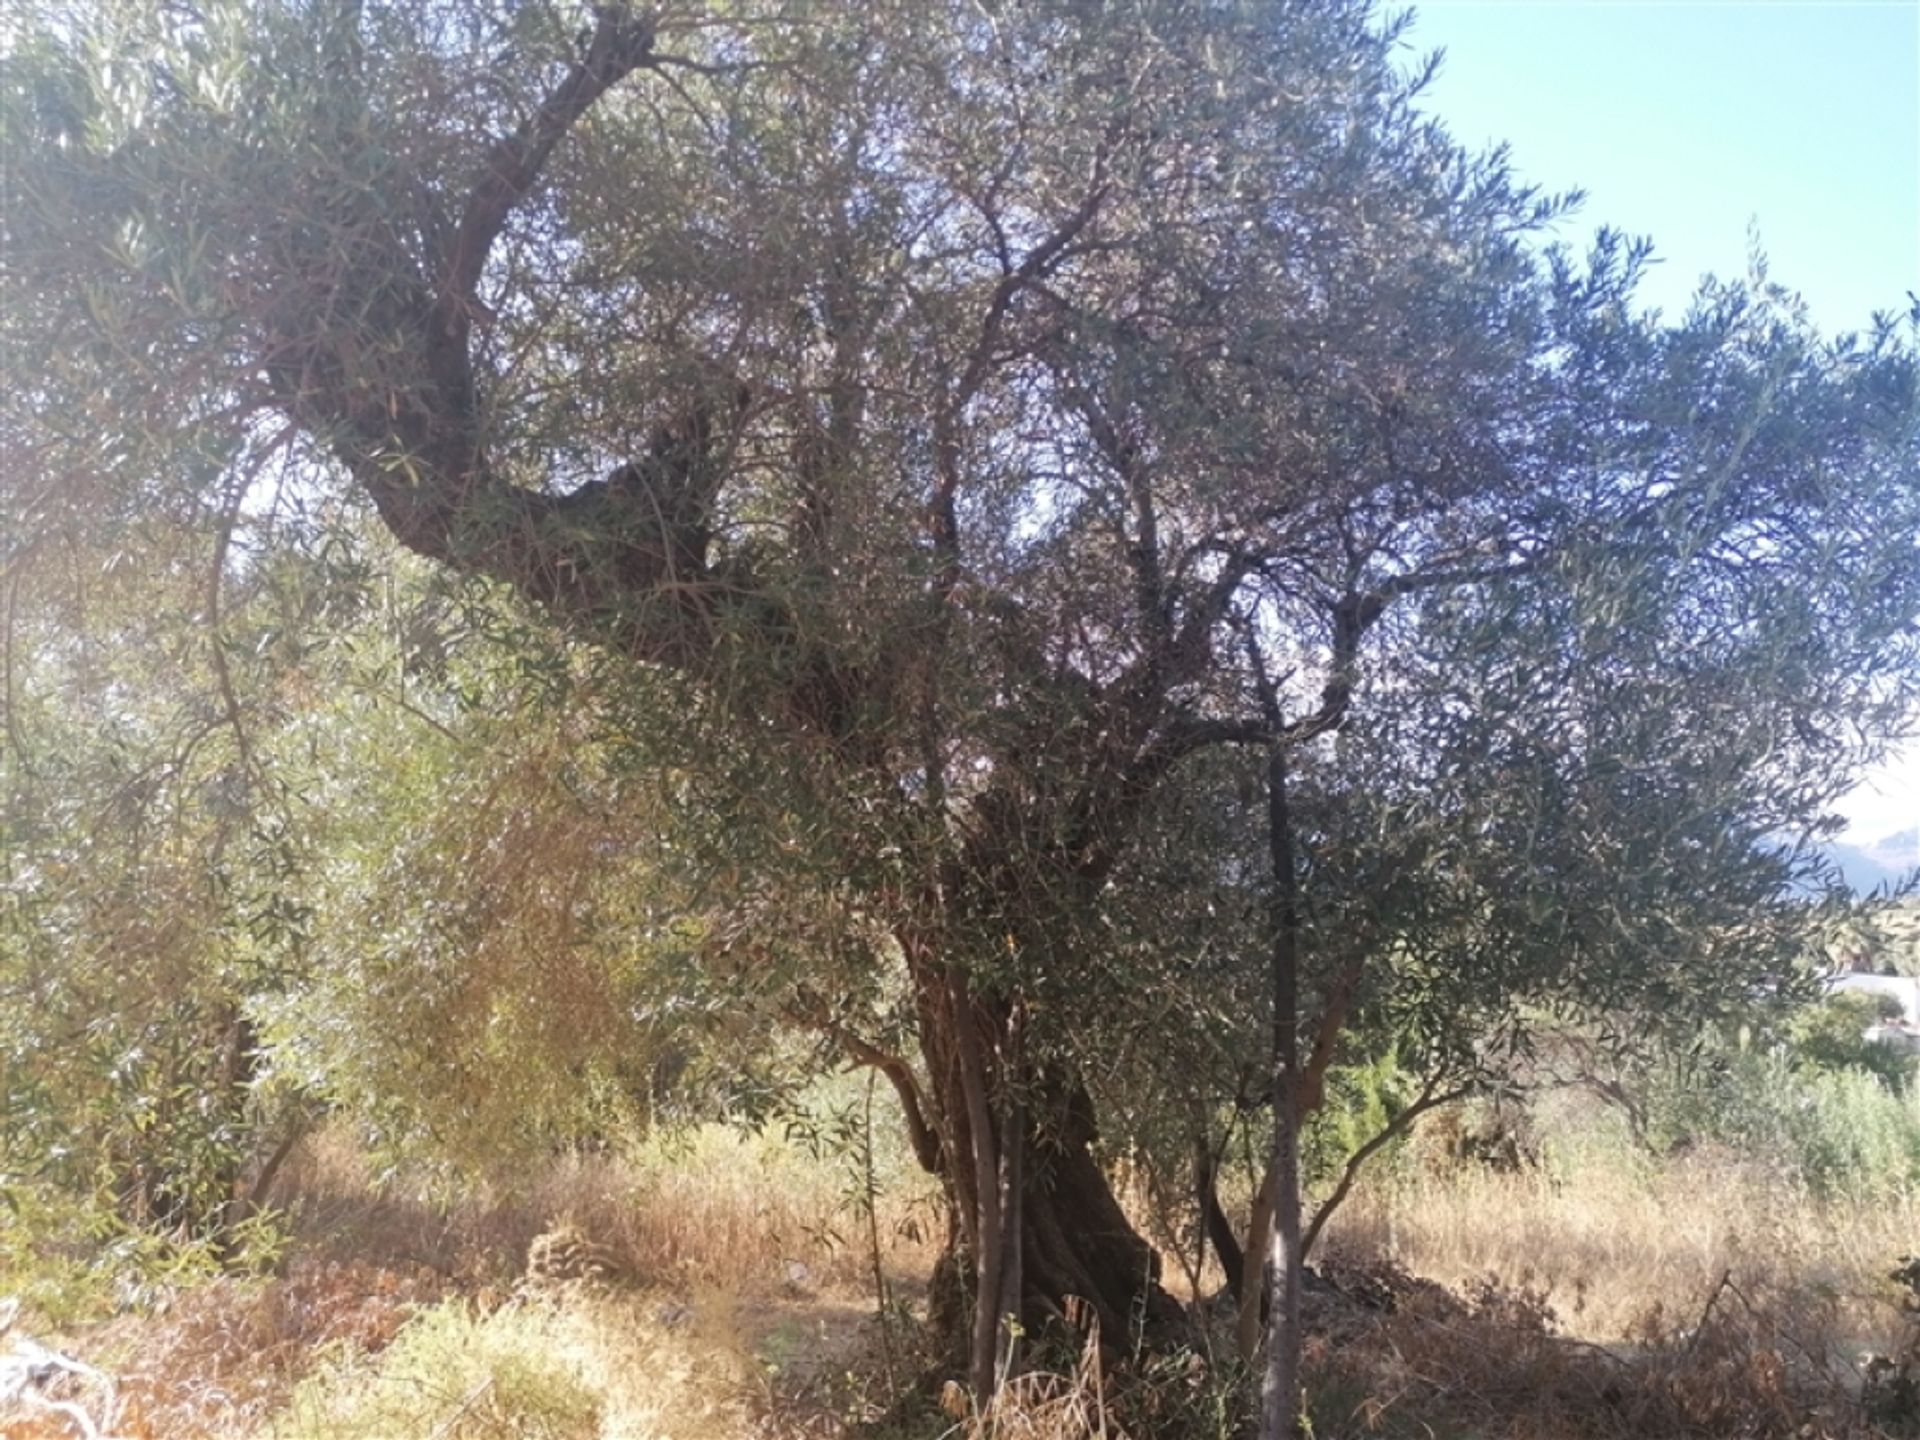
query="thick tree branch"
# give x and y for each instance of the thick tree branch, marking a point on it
(1143, 544)
(620, 43)
(1145, 744)
(1106, 809)
(989, 1233)
(1216, 1228)
(1442, 576)
(625, 554)
(920, 1134)
(628, 555)
(1310, 1087)
(1189, 649)
(1353, 615)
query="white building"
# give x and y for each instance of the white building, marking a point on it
(1903, 1033)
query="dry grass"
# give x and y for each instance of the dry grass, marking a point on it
(1399, 1358)
(745, 1269)
(1605, 1247)
(224, 1355)
(577, 1366)
(1697, 1301)
(1494, 1365)
(710, 1209)
(1699, 1298)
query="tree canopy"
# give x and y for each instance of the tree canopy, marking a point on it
(941, 451)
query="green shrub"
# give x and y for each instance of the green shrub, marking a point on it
(1856, 1136)
(452, 1375)
(1582, 1133)
(1837, 1131)
(1831, 1036)
(71, 1262)
(1362, 1100)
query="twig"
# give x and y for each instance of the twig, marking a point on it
(473, 1397)
(870, 1200)
(1706, 1311)
(229, 517)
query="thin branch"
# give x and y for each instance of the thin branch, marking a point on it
(920, 1134)
(1430, 1098)
(216, 644)
(12, 577)
(1039, 263)
(378, 696)
(1447, 575)
(237, 489)
(1706, 1311)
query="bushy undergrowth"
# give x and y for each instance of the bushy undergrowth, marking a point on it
(452, 1373)
(224, 1355)
(1393, 1357)
(1593, 1284)
(69, 1262)
(706, 1206)
(1840, 1131)
(1816, 1106)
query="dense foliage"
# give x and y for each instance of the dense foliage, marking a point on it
(895, 473)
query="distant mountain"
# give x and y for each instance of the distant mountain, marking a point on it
(1887, 861)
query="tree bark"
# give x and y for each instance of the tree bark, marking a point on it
(1215, 1228)
(1042, 1239)
(1076, 1241)
(1280, 1386)
(1252, 1310)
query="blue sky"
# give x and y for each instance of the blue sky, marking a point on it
(1692, 121)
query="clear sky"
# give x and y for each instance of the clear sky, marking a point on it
(1692, 121)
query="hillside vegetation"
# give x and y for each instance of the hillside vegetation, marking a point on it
(1510, 1270)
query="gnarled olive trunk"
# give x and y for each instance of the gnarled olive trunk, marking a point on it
(1040, 1237)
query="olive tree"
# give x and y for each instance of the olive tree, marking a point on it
(946, 423)
(143, 894)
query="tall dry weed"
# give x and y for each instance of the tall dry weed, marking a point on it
(707, 1208)
(1604, 1245)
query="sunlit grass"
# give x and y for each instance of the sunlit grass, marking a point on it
(1606, 1244)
